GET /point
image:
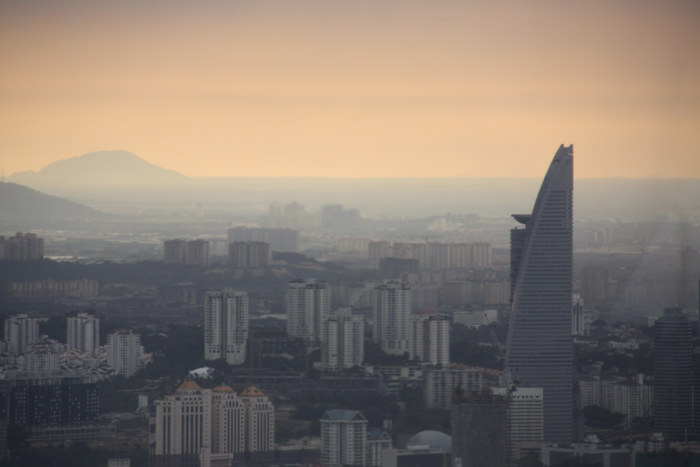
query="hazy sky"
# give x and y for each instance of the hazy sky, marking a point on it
(354, 88)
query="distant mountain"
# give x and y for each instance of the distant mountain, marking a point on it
(101, 168)
(18, 202)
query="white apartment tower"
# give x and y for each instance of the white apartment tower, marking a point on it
(392, 311)
(343, 438)
(308, 303)
(124, 352)
(226, 326)
(525, 419)
(21, 331)
(83, 333)
(342, 340)
(430, 339)
(259, 424)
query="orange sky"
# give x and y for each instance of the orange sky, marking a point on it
(354, 88)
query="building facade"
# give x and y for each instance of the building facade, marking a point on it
(392, 312)
(539, 348)
(83, 332)
(226, 326)
(249, 254)
(21, 331)
(179, 251)
(283, 240)
(343, 438)
(430, 339)
(21, 247)
(525, 419)
(342, 340)
(125, 352)
(308, 304)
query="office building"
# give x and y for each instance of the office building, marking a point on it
(579, 322)
(249, 254)
(539, 348)
(283, 240)
(218, 419)
(342, 340)
(50, 401)
(259, 421)
(525, 419)
(21, 331)
(308, 304)
(21, 247)
(125, 352)
(479, 424)
(48, 289)
(430, 339)
(673, 376)
(226, 326)
(83, 332)
(343, 438)
(392, 312)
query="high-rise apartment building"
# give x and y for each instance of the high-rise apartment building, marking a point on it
(124, 352)
(343, 438)
(392, 312)
(430, 339)
(21, 331)
(308, 304)
(440, 383)
(179, 251)
(673, 376)
(21, 247)
(226, 326)
(83, 332)
(249, 254)
(539, 349)
(342, 340)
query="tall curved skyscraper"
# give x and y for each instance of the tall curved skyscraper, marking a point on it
(539, 350)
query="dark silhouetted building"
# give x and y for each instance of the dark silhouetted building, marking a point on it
(249, 254)
(673, 379)
(21, 247)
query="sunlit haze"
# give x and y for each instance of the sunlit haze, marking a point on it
(354, 89)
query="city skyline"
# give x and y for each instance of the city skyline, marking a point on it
(399, 89)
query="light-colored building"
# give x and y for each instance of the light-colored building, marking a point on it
(343, 438)
(49, 288)
(21, 331)
(259, 421)
(119, 462)
(592, 451)
(83, 333)
(525, 419)
(430, 339)
(392, 312)
(125, 352)
(226, 326)
(217, 419)
(377, 441)
(182, 421)
(580, 322)
(342, 340)
(308, 304)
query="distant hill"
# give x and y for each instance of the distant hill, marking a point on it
(101, 168)
(19, 202)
